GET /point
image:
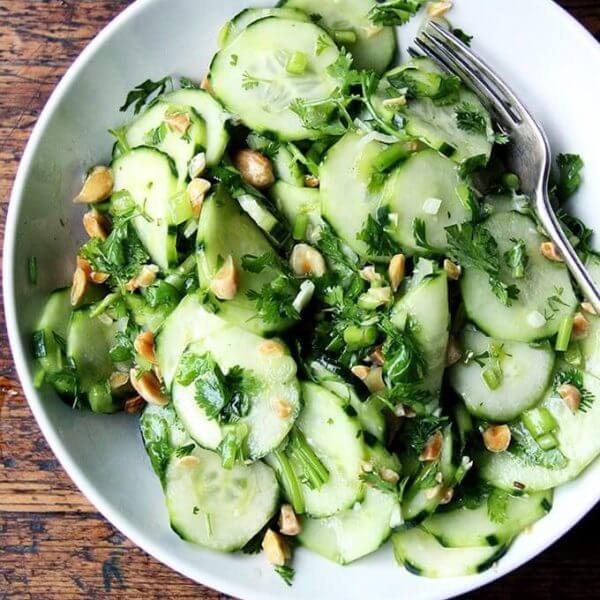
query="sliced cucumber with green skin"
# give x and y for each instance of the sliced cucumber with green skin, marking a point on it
(150, 178)
(224, 229)
(426, 186)
(54, 322)
(286, 167)
(524, 319)
(298, 203)
(251, 79)
(422, 554)
(276, 373)
(336, 439)
(370, 412)
(352, 533)
(375, 45)
(264, 216)
(189, 322)
(218, 508)
(427, 306)
(472, 527)
(233, 28)
(436, 124)
(214, 116)
(526, 374)
(151, 129)
(345, 174)
(89, 342)
(590, 344)
(578, 441)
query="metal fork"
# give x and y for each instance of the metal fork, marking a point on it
(528, 153)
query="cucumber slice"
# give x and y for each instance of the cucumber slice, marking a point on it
(233, 28)
(425, 177)
(471, 527)
(256, 208)
(214, 116)
(224, 229)
(287, 168)
(578, 441)
(422, 554)
(345, 174)
(524, 320)
(149, 177)
(189, 322)
(427, 306)
(298, 202)
(375, 45)
(526, 373)
(590, 344)
(88, 345)
(370, 412)
(336, 439)
(150, 129)
(352, 533)
(249, 75)
(218, 508)
(230, 347)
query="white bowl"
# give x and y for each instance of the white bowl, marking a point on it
(548, 58)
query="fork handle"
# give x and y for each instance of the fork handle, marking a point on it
(552, 226)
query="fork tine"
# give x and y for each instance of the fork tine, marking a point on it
(450, 64)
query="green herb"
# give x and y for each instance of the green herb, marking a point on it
(394, 12)
(322, 44)
(231, 447)
(122, 348)
(289, 480)
(574, 377)
(375, 480)
(122, 145)
(404, 357)
(156, 136)
(473, 247)
(441, 89)
(233, 61)
(286, 573)
(39, 344)
(32, 270)
(464, 37)
(141, 94)
(420, 428)
(579, 235)
(375, 235)
(188, 84)
(419, 231)
(470, 118)
(500, 138)
(156, 428)
(275, 300)
(554, 304)
(185, 451)
(257, 264)
(497, 504)
(314, 472)
(524, 446)
(569, 175)
(250, 82)
(340, 257)
(516, 258)
(254, 545)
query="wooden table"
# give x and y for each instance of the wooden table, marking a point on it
(53, 543)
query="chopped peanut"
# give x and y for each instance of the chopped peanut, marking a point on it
(98, 277)
(396, 271)
(288, 521)
(367, 467)
(389, 475)
(307, 261)
(550, 251)
(377, 357)
(79, 286)
(134, 405)
(447, 496)
(374, 380)
(369, 274)
(361, 371)
(145, 278)
(588, 308)
(144, 346)
(225, 283)
(179, 122)
(82, 263)
(438, 9)
(148, 387)
(397, 101)
(95, 225)
(197, 189)
(453, 271)
(118, 380)
(275, 548)
(205, 84)
(453, 352)
(433, 447)
(580, 326)
(255, 168)
(98, 186)
(271, 348)
(432, 492)
(282, 407)
(496, 438)
(197, 165)
(189, 461)
(311, 181)
(570, 395)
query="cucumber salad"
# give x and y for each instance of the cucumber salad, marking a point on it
(332, 307)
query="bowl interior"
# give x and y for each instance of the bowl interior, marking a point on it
(104, 455)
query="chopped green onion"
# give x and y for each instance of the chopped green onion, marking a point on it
(103, 305)
(344, 36)
(360, 337)
(314, 470)
(492, 377)
(289, 481)
(300, 225)
(32, 268)
(564, 334)
(38, 378)
(547, 441)
(511, 181)
(538, 421)
(391, 156)
(297, 63)
(39, 344)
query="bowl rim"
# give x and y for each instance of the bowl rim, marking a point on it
(77, 475)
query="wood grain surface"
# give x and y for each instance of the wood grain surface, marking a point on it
(53, 543)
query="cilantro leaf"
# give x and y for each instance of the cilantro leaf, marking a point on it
(188, 84)
(470, 118)
(420, 428)
(404, 357)
(257, 264)
(286, 573)
(580, 235)
(374, 234)
(574, 377)
(569, 175)
(516, 258)
(419, 231)
(497, 503)
(141, 94)
(464, 37)
(394, 12)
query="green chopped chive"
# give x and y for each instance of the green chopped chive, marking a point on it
(511, 181)
(538, 421)
(492, 377)
(300, 225)
(344, 36)
(297, 63)
(547, 441)
(360, 337)
(289, 481)
(563, 337)
(392, 155)
(103, 305)
(32, 270)
(39, 344)
(314, 470)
